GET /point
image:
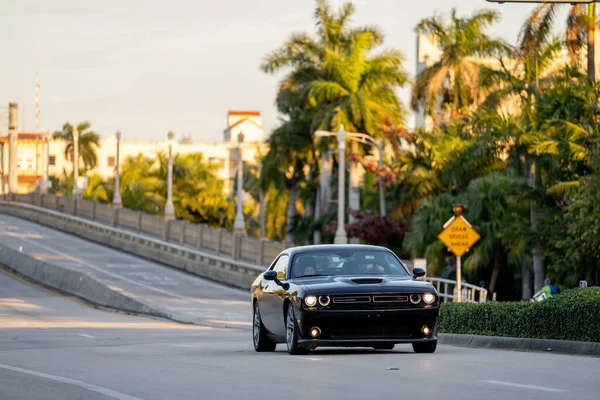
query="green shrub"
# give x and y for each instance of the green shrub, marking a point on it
(571, 315)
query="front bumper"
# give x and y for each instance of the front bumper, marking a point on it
(352, 328)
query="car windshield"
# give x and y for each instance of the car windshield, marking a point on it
(346, 262)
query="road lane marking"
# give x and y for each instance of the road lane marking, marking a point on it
(304, 358)
(226, 322)
(85, 335)
(98, 389)
(519, 385)
(103, 270)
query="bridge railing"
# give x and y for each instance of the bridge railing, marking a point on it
(222, 268)
(216, 245)
(447, 291)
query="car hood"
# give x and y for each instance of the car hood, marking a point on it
(362, 284)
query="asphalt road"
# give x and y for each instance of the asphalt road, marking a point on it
(185, 296)
(54, 347)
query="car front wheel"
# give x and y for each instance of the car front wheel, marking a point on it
(291, 331)
(259, 333)
(424, 347)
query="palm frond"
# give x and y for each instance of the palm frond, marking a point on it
(563, 188)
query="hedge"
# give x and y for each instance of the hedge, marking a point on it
(572, 315)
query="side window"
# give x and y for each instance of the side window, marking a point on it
(281, 267)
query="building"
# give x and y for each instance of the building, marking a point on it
(224, 153)
(29, 172)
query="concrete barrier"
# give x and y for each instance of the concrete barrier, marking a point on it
(73, 282)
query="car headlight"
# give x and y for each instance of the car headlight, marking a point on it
(324, 300)
(429, 298)
(310, 301)
(415, 298)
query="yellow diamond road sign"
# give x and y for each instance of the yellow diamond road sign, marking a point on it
(459, 236)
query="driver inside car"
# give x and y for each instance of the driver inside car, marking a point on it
(370, 268)
(306, 266)
(309, 270)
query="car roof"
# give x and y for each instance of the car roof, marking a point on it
(332, 247)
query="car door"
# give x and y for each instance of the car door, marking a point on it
(272, 298)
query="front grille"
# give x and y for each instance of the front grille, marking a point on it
(371, 332)
(351, 299)
(390, 299)
(371, 301)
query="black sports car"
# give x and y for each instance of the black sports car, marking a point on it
(342, 295)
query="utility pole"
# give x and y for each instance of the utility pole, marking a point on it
(13, 123)
(239, 225)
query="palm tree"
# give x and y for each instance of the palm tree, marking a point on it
(98, 189)
(333, 80)
(462, 43)
(283, 166)
(523, 83)
(140, 189)
(198, 193)
(88, 142)
(336, 78)
(580, 29)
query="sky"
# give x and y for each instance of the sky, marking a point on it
(145, 67)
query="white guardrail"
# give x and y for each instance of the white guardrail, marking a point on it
(446, 288)
(470, 293)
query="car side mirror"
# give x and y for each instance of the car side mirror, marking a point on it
(418, 273)
(270, 275)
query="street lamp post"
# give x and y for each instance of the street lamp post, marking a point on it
(41, 187)
(117, 202)
(239, 225)
(340, 235)
(46, 164)
(365, 139)
(76, 192)
(169, 208)
(13, 182)
(37, 163)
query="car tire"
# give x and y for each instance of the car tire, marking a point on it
(259, 333)
(384, 346)
(291, 333)
(424, 347)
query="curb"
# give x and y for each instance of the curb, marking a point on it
(521, 344)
